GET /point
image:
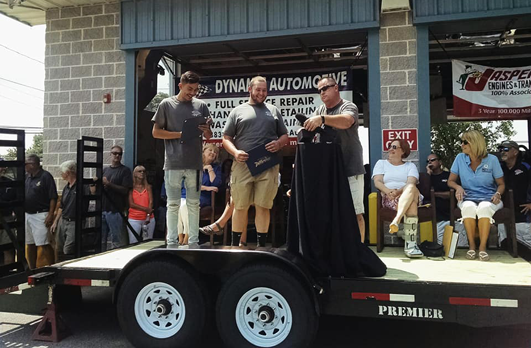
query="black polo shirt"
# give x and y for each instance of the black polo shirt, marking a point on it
(120, 175)
(439, 182)
(518, 179)
(40, 190)
(68, 201)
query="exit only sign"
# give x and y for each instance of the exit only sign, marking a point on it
(409, 134)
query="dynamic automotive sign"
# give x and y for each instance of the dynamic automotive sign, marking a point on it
(291, 93)
(482, 91)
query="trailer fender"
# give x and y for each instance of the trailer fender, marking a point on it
(222, 263)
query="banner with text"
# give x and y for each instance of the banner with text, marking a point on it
(291, 93)
(482, 91)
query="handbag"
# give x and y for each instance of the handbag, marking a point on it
(431, 249)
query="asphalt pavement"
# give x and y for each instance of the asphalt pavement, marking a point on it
(93, 324)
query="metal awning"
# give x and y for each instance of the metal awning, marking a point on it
(33, 12)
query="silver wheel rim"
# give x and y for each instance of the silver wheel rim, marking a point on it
(263, 317)
(160, 310)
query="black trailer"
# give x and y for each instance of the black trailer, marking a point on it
(268, 298)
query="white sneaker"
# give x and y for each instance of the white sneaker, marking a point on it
(172, 246)
(193, 246)
(411, 249)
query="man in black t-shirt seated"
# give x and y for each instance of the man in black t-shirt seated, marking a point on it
(439, 182)
(517, 176)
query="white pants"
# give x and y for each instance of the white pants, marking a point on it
(36, 230)
(523, 233)
(485, 209)
(137, 226)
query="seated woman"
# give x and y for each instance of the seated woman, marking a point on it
(211, 181)
(141, 205)
(397, 180)
(479, 195)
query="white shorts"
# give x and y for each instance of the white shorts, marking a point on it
(357, 185)
(36, 230)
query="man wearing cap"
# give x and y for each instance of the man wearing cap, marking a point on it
(518, 178)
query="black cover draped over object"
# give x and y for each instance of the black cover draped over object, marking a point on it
(322, 224)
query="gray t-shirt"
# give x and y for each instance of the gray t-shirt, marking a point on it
(170, 116)
(350, 141)
(254, 125)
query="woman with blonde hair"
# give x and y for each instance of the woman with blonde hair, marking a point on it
(397, 181)
(141, 205)
(211, 181)
(479, 195)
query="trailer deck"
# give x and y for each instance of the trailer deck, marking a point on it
(502, 269)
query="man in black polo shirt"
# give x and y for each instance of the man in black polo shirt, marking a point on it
(517, 176)
(64, 225)
(117, 181)
(41, 197)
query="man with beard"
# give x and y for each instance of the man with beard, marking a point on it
(342, 115)
(250, 125)
(517, 176)
(183, 161)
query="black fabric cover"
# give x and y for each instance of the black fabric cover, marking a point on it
(322, 224)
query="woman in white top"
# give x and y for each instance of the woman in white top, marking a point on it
(397, 181)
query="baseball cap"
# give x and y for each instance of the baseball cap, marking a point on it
(509, 143)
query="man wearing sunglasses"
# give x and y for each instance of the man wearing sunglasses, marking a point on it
(117, 181)
(518, 178)
(342, 115)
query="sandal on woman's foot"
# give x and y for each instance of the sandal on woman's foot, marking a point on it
(208, 230)
(483, 256)
(393, 228)
(471, 254)
(243, 244)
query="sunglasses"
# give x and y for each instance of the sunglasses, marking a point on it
(394, 147)
(116, 153)
(464, 142)
(432, 160)
(504, 149)
(324, 89)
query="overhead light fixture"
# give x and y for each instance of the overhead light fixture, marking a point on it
(13, 3)
(395, 5)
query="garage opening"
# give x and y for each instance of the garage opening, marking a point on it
(292, 66)
(493, 42)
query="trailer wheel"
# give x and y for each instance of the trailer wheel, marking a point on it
(160, 304)
(265, 306)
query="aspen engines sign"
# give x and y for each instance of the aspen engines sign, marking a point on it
(482, 91)
(291, 93)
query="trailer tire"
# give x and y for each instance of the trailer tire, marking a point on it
(175, 319)
(265, 306)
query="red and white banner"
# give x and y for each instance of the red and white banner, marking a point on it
(482, 91)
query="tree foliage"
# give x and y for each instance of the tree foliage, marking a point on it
(446, 138)
(154, 103)
(35, 148)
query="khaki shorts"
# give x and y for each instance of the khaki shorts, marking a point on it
(259, 190)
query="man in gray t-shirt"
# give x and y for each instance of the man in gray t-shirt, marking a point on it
(182, 161)
(250, 125)
(342, 115)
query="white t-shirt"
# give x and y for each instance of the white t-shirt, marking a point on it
(395, 177)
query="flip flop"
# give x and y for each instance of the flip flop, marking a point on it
(471, 254)
(483, 256)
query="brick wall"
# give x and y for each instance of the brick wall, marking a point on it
(82, 63)
(398, 64)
